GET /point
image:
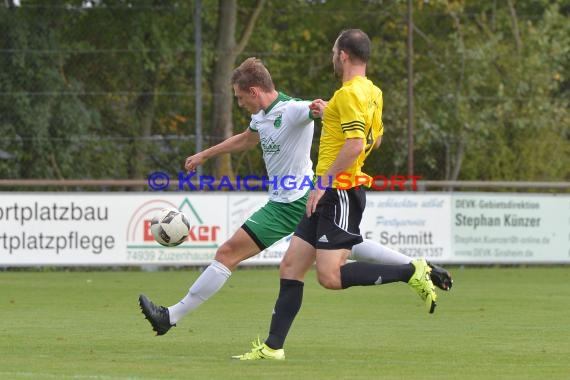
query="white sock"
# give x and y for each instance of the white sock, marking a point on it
(208, 284)
(374, 252)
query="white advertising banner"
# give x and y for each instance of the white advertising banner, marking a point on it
(105, 229)
(113, 228)
(412, 223)
(511, 228)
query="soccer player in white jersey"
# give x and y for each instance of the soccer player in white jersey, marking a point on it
(283, 126)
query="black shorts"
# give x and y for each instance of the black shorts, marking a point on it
(335, 224)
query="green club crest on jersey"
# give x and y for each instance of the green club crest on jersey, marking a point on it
(277, 122)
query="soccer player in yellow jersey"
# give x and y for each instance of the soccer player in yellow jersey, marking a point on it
(352, 127)
(357, 108)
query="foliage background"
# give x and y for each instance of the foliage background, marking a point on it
(106, 88)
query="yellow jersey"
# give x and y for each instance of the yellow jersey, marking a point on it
(355, 111)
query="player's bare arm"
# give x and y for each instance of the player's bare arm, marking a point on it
(237, 143)
(377, 142)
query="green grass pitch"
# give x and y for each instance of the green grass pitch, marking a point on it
(496, 323)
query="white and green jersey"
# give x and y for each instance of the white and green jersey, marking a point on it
(286, 133)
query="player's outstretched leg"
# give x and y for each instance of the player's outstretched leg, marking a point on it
(421, 283)
(440, 277)
(261, 351)
(373, 252)
(157, 315)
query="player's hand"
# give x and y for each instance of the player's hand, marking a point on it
(317, 108)
(193, 162)
(314, 198)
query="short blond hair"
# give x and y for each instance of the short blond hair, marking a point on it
(252, 73)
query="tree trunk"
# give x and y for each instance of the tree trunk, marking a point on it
(515, 26)
(144, 115)
(222, 126)
(226, 53)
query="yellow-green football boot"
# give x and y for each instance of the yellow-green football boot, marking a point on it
(261, 351)
(421, 283)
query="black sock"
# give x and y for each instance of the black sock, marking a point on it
(286, 308)
(358, 273)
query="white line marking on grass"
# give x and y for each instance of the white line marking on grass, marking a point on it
(42, 375)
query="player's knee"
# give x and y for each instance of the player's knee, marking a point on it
(287, 269)
(287, 262)
(329, 281)
(223, 250)
(224, 255)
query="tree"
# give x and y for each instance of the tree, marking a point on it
(488, 93)
(108, 91)
(135, 61)
(40, 130)
(226, 52)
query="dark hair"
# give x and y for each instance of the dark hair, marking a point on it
(252, 73)
(355, 43)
